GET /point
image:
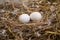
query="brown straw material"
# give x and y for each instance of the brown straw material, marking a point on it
(46, 29)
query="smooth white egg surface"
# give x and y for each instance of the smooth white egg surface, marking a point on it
(35, 16)
(24, 18)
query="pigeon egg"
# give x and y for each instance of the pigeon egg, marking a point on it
(24, 18)
(35, 16)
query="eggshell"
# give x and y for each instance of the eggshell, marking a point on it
(24, 18)
(35, 16)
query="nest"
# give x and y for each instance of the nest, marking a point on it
(47, 29)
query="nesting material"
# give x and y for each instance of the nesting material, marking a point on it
(35, 16)
(52, 8)
(24, 18)
(2, 11)
(13, 29)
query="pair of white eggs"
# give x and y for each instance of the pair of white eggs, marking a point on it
(34, 16)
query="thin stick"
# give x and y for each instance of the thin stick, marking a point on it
(12, 2)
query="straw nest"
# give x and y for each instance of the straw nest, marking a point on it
(47, 29)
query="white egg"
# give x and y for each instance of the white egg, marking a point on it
(35, 16)
(24, 18)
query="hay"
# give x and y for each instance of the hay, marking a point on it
(47, 29)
